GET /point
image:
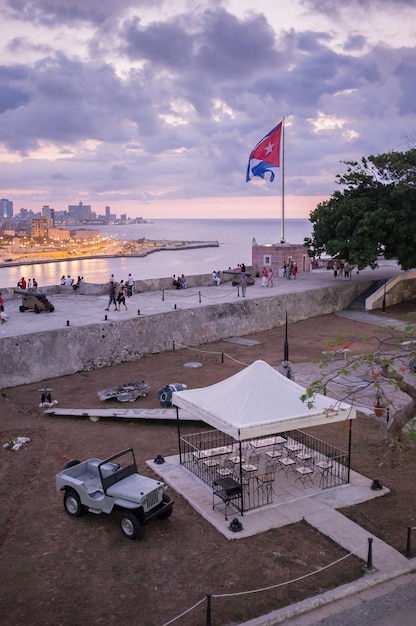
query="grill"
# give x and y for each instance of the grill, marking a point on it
(151, 500)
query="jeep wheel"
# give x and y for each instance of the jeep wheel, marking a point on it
(130, 525)
(72, 504)
(167, 512)
(72, 462)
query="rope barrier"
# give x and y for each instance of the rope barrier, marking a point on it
(223, 354)
(276, 586)
(184, 613)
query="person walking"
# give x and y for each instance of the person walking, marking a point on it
(112, 296)
(121, 296)
(2, 314)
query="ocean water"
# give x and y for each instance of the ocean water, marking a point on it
(234, 237)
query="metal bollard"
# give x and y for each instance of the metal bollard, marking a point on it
(163, 295)
(208, 616)
(199, 293)
(409, 531)
(105, 317)
(370, 553)
(138, 311)
(67, 322)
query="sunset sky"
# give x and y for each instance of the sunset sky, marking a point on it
(153, 106)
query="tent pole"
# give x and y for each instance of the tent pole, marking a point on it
(178, 427)
(241, 475)
(349, 449)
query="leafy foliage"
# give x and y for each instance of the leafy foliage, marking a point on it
(389, 366)
(373, 215)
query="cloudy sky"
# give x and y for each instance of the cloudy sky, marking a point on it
(153, 106)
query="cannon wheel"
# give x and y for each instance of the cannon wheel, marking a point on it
(36, 309)
(22, 308)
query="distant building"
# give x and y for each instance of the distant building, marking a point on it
(81, 212)
(61, 234)
(6, 208)
(86, 233)
(40, 226)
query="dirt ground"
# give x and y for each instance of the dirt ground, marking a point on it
(60, 570)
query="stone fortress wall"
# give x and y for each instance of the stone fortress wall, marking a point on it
(39, 356)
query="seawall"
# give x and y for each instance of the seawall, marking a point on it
(61, 351)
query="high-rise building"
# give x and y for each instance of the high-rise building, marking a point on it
(48, 212)
(6, 208)
(80, 212)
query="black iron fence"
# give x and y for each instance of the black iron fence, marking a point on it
(254, 464)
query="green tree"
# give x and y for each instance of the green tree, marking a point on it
(374, 214)
(372, 379)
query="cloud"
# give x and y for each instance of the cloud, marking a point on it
(57, 12)
(169, 105)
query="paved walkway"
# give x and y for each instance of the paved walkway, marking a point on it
(78, 310)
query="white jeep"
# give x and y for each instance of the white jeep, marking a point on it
(113, 484)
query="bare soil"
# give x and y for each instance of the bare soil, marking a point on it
(59, 570)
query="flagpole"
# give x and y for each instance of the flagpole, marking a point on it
(282, 228)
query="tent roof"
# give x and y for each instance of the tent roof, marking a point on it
(259, 401)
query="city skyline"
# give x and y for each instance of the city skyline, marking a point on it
(154, 110)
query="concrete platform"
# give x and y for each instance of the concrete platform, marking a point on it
(292, 502)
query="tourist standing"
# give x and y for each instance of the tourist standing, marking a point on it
(264, 277)
(130, 286)
(243, 283)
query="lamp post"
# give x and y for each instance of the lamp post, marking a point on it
(286, 368)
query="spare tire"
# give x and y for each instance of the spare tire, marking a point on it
(164, 395)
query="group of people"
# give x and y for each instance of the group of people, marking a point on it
(342, 269)
(289, 270)
(216, 277)
(30, 284)
(180, 282)
(267, 277)
(117, 294)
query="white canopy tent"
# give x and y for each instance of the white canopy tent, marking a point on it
(257, 402)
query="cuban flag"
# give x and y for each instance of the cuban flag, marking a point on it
(267, 152)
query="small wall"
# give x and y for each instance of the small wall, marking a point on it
(398, 289)
(151, 284)
(39, 356)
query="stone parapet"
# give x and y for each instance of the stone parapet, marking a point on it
(42, 355)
